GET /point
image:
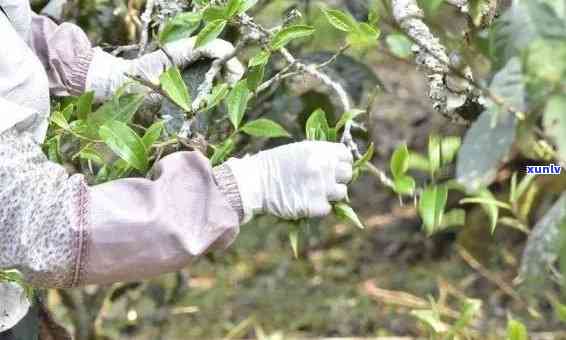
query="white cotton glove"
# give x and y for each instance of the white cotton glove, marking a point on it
(107, 73)
(14, 305)
(293, 181)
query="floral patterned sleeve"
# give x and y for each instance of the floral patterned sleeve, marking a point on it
(59, 232)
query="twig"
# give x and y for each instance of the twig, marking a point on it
(403, 299)
(281, 75)
(334, 57)
(204, 89)
(145, 19)
(493, 278)
(159, 90)
(125, 48)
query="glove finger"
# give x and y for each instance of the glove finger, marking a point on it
(234, 71)
(343, 153)
(182, 51)
(344, 172)
(338, 193)
(321, 209)
(217, 49)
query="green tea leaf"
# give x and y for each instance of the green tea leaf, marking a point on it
(255, 76)
(214, 13)
(234, 7)
(470, 310)
(434, 154)
(90, 154)
(121, 108)
(404, 185)
(152, 134)
(516, 330)
(222, 151)
(265, 128)
(347, 117)
(483, 200)
(492, 210)
(260, 59)
(59, 119)
(287, 34)
(399, 163)
(345, 212)
(84, 104)
(340, 20)
(53, 146)
(367, 156)
(219, 92)
(332, 135)
(173, 84)
(449, 148)
(431, 319)
(237, 102)
(418, 162)
(399, 45)
(431, 206)
(514, 223)
(179, 27)
(317, 126)
(125, 143)
(210, 32)
(560, 311)
(373, 15)
(523, 186)
(365, 36)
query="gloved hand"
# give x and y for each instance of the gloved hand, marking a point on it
(293, 181)
(107, 73)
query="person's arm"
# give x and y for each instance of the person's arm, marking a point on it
(65, 52)
(61, 233)
(18, 114)
(74, 66)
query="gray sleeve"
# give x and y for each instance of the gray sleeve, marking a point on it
(41, 217)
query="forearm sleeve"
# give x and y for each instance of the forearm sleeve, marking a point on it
(65, 52)
(61, 233)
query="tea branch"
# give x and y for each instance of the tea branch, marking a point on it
(146, 20)
(431, 55)
(262, 35)
(206, 87)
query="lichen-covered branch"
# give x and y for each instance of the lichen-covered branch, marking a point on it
(461, 4)
(206, 87)
(433, 57)
(145, 19)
